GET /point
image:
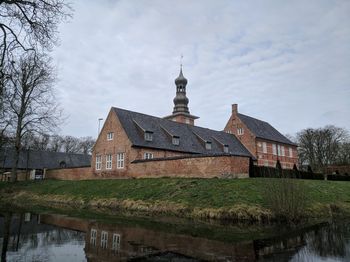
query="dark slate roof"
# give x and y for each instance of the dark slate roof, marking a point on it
(43, 159)
(263, 129)
(192, 138)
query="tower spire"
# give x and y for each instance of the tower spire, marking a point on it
(181, 112)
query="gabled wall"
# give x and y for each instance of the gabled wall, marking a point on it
(254, 144)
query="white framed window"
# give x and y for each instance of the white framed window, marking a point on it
(93, 237)
(290, 152)
(27, 217)
(116, 242)
(147, 155)
(109, 158)
(120, 160)
(208, 145)
(279, 150)
(264, 147)
(240, 131)
(110, 136)
(225, 148)
(148, 136)
(187, 121)
(266, 163)
(104, 239)
(229, 132)
(274, 149)
(98, 162)
(176, 140)
(282, 151)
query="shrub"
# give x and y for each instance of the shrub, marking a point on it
(286, 198)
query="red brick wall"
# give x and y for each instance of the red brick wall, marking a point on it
(247, 138)
(80, 173)
(205, 167)
(254, 144)
(182, 119)
(270, 159)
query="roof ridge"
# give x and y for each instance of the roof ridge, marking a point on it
(255, 118)
(170, 121)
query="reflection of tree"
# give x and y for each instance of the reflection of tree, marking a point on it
(330, 240)
(7, 224)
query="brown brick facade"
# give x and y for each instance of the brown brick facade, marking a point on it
(80, 173)
(186, 167)
(262, 149)
(205, 167)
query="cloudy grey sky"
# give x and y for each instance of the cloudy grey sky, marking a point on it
(285, 62)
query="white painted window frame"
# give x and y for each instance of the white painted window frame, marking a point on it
(148, 155)
(274, 149)
(116, 239)
(98, 164)
(93, 236)
(120, 160)
(104, 239)
(109, 161)
(264, 146)
(110, 136)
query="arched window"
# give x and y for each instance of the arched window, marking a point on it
(63, 164)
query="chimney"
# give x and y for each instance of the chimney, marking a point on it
(234, 109)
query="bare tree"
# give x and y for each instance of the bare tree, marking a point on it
(343, 157)
(322, 146)
(36, 142)
(28, 25)
(70, 144)
(86, 144)
(56, 143)
(33, 107)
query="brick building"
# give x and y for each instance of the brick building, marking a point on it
(262, 140)
(133, 144)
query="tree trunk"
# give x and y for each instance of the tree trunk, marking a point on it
(7, 224)
(17, 149)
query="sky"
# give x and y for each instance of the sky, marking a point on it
(284, 62)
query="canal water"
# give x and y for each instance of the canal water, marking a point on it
(27, 236)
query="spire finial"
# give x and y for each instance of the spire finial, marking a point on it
(181, 58)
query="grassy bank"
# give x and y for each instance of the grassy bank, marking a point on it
(240, 199)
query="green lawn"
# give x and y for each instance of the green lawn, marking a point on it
(208, 193)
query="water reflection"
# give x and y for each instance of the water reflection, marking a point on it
(46, 237)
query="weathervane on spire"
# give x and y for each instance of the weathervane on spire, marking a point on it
(181, 58)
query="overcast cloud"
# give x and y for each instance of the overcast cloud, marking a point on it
(285, 62)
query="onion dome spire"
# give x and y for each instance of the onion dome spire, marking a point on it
(180, 100)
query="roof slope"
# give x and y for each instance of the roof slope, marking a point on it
(32, 159)
(263, 129)
(192, 138)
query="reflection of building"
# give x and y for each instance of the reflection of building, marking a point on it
(107, 242)
(117, 242)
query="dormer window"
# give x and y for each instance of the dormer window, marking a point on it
(110, 136)
(225, 148)
(148, 136)
(208, 145)
(176, 140)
